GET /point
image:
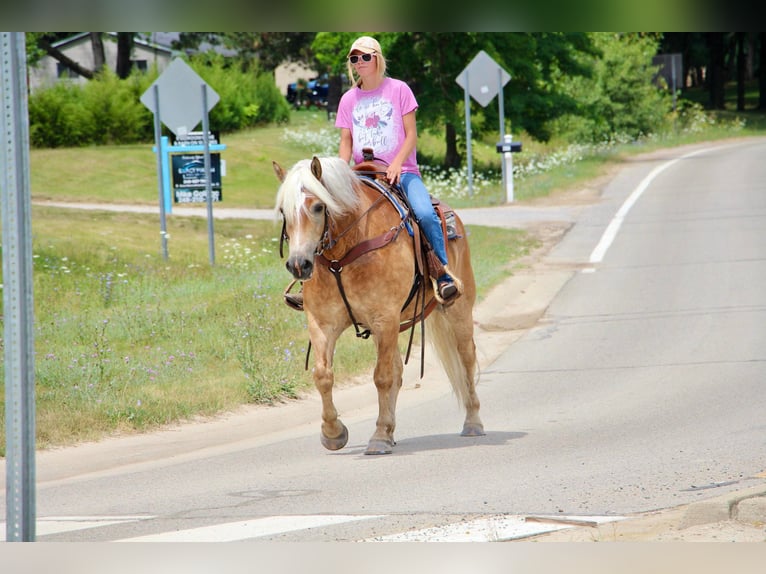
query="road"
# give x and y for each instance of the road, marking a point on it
(639, 387)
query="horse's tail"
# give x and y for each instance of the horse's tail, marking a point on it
(451, 341)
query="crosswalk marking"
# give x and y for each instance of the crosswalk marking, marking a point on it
(494, 529)
(245, 529)
(58, 524)
(486, 529)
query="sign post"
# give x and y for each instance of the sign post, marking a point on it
(483, 79)
(18, 305)
(175, 100)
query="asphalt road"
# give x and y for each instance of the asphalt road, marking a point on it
(640, 387)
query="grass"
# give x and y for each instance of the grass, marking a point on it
(126, 341)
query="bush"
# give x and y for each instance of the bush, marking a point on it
(108, 110)
(248, 97)
(56, 117)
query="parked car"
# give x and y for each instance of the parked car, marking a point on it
(311, 93)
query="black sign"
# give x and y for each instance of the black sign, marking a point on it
(189, 181)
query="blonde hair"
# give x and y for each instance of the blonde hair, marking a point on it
(380, 63)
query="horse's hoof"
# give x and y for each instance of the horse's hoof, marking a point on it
(378, 446)
(473, 429)
(336, 443)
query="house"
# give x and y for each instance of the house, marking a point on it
(290, 72)
(78, 47)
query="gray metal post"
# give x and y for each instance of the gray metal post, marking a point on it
(208, 178)
(18, 304)
(501, 113)
(160, 175)
(468, 153)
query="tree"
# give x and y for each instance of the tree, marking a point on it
(432, 62)
(717, 76)
(620, 98)
(42, 43)
(124, 51)
(268, 49)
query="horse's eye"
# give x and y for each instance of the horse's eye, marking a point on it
(317, 208)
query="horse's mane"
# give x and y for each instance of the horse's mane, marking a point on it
(337, 190)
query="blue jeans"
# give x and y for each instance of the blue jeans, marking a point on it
(425, 215)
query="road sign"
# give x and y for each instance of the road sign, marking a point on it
(482, 79)
(485, 78)
(181, 106)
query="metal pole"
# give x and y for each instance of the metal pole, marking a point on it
(469, 155)
(208, 177)
(508, 168)
(501, 113)
(18, 303)
(160, 152)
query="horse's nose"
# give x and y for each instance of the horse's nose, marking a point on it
(300, 267)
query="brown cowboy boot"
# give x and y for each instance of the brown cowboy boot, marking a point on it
(447, 288)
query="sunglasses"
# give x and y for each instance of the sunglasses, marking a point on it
(364, 57)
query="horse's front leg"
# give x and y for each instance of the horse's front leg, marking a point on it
(388, 381)
(334, 434)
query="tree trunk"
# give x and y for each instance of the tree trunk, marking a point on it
(124, 50)
(99, 59)
(740, 71)
(451, 156)
(716, 75)
(64, 59)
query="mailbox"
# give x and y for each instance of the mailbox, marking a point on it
(505, 147)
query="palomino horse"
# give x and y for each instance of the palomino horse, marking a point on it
(333, 218)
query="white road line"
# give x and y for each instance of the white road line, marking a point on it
(494, 529)
(614, 225)
(246, 529)
(57, 524)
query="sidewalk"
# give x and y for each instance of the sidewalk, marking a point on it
(733, 517)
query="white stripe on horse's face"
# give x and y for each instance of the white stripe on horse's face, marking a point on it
(308, 223)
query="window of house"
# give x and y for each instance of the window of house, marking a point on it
(63, 71)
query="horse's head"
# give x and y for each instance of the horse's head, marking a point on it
(304, 218)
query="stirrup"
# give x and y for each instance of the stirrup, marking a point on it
(447, 296)
(293, 300)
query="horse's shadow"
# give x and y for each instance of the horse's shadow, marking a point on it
(415, 444)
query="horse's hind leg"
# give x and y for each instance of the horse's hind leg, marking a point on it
(452, 337)
(472, 425)
(334, 434)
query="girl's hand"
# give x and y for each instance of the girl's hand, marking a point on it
(393, 173)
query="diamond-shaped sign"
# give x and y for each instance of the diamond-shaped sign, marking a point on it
(180, 95)
(485, 78)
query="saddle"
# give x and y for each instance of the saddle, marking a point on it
(374, 173)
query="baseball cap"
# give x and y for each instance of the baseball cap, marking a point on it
(365, 45)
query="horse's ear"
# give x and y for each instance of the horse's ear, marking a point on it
(316, 168)
(278, 170)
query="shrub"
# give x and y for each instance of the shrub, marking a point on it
(108, 110)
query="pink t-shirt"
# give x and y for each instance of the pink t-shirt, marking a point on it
(375, 120)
